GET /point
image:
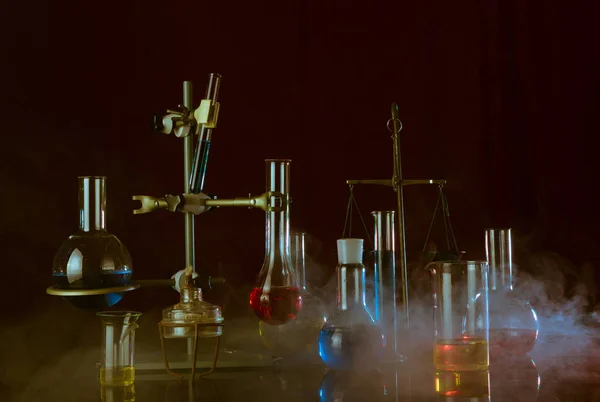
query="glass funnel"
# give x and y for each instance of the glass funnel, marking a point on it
(513, 322)
(350, 339)
(299, 336)
(191, 310)
(118, 347)
(92, 258)
(277, 298)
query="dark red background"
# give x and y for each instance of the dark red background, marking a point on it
(498, 97)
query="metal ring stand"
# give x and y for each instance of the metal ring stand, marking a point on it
(196, 326)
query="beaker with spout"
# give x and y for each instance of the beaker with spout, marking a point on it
(513, 321)
(276, 298)
(118, 347)
(350, 339)
(460, 304)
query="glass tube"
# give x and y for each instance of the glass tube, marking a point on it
(384, 277)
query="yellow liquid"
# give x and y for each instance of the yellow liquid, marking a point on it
(117, 393)
(467, 384)
(117, 376)
(466, 354)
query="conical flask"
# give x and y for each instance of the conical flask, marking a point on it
(297, 338)
(92, 258)
(513, 322)
(277, 299)
(350, 339)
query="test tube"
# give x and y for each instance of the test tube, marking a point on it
(461, 316)
(200, 162)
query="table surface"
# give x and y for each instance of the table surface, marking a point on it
(573, 379)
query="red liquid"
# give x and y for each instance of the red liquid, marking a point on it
(278, 306)
(515, 342)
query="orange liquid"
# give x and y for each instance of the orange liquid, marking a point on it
(465, 354)
(467, 384)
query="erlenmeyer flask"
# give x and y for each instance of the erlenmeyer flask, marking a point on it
(277, 299)
(92, 258)
(350, 339)
(513, 322)
(299, 336)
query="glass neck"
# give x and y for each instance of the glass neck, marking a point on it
(297, 256)
(92, 203)
(277, 224)
(498, 249)
(351, 289)
(384, 230)
(190, 294)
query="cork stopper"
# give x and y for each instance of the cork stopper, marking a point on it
(350, 251)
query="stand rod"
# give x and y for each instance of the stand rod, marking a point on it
(188, 154)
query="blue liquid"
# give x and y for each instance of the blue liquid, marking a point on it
(358, 348)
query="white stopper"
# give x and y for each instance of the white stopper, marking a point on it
(350, 251)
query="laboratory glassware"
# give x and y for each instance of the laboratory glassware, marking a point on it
(117, 367)
(92, 258)
(277, 299)
(461, 321)
(514, 323)
(351, 339)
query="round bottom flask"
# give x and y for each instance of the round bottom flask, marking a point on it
(350, 339)
(513, 325)
(513, 322)
(92, 258)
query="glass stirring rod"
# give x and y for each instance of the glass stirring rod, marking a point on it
(200, 160)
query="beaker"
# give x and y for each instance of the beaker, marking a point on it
(461, 321)
(118, 347)
(467, 386)
(92, 258)
(298, 337)
(513, 322)
(276, 299)
(350, 339)
(117, 394)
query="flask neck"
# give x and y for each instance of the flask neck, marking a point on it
(190, 294)
(277, 268)
(92, 203)
(499, 256)
(351, 289)
(384, 231)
